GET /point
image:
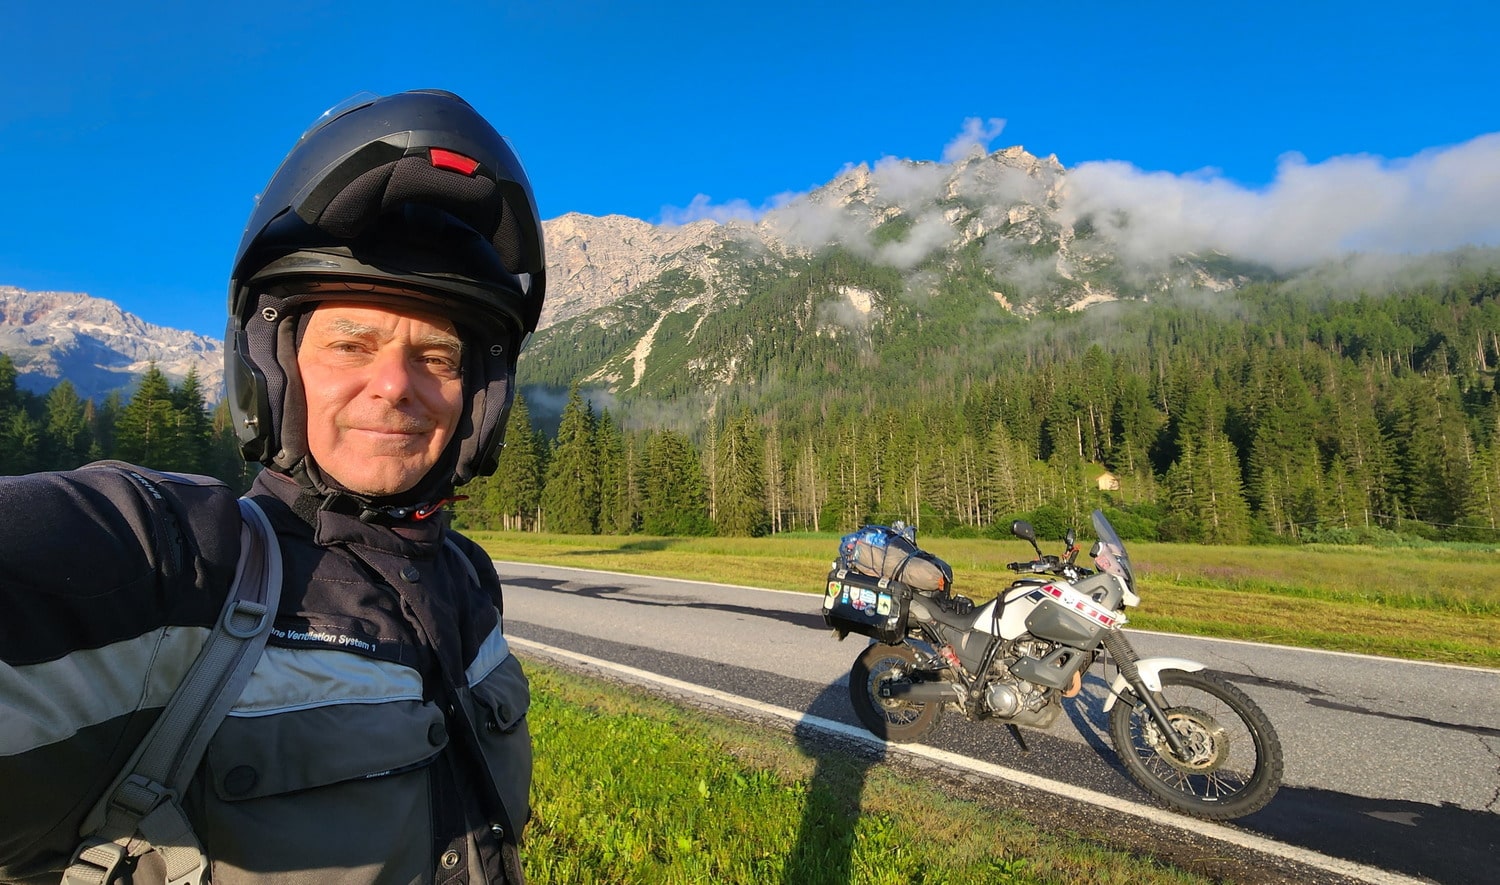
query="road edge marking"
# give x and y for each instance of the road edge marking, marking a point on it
(1223, 833)
(816, 595)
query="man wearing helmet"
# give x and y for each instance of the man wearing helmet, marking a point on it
(385, 283)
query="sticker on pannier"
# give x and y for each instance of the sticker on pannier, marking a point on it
(865, 605)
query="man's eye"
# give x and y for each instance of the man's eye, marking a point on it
(440, 363)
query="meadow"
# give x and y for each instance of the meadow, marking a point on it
(630, 788)
(1429, 602)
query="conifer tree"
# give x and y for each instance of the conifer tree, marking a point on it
(9, 393)
(778, 495)
(517, 484)
(194, 425)
(20, 442)
(65, 433)
(739, 464)
(105, 419)
(1221, 506)
(810, 492)
(1433, 449)
(616, 498)
(224, 458)
(1354, 434)
(570, 497)
(1483, 508)
(146, 432)
(674, 500)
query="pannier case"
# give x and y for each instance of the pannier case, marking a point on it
(866, 605)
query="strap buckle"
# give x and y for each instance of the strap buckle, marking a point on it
(235, 619)
(95, 862)
(138, 796)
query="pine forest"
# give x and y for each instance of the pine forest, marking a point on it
(1280, 412)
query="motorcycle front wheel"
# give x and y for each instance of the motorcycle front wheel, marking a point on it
(1233, 762)
(889, 718)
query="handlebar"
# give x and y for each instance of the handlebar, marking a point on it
(1050, 565)
(1046, 566)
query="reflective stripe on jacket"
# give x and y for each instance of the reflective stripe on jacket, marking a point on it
(382, 736)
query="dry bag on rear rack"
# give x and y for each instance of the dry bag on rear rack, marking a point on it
(867, 605)
(883, 552)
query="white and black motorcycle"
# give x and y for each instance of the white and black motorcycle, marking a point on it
(1188, 737)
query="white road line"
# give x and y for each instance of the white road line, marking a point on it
(1155, 815)
(816, 594)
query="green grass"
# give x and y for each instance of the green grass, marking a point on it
(631, 789)
(1436, 603)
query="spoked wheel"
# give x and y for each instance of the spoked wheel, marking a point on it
(889, 718)
(1233, 761)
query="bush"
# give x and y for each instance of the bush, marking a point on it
(1331, 535)
(1131, 526)
(1179, 529)
(1050, 521)
(1472, 529)
(1261, 534)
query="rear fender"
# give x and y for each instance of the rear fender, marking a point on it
(1150, 670)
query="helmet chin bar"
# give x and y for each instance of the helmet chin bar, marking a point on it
(433, 488)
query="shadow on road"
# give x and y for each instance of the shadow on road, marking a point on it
(652, 545)
(1446, 843)
(811, 620)
(824, 850)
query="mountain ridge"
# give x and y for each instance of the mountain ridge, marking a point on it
(642, 308)
(97, 346)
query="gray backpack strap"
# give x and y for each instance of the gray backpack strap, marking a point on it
(140, 812)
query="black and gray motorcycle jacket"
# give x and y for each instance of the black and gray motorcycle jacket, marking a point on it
(382, 736)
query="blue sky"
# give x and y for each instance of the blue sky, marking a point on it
(135, 136)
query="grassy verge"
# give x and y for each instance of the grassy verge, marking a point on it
(1436, 604)
(630, 789)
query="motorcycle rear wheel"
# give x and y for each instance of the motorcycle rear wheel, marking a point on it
(1234, 763)
(892, 719)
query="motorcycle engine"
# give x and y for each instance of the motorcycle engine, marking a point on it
(1010, 697)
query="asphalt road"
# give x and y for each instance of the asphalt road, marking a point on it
(1391, 765)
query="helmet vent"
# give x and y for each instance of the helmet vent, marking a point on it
(410, 180)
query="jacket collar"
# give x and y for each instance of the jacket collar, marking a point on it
(336, 519)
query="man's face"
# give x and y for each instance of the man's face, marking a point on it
(383, 393)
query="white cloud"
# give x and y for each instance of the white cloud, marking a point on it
(907, 184)
(702, 207)
(1439, 199)
(976, 133)
(930, 233)
(813, 225)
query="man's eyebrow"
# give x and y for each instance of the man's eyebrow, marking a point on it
(342, 326)
(345, 326)
(443, 340)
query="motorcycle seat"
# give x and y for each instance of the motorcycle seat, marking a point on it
(955, 614)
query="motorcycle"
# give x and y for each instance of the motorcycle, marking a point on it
(1188, 737)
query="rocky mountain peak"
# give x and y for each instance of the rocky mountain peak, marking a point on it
(595, 261)
(96, 345)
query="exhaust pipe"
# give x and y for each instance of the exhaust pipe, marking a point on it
(920, 692)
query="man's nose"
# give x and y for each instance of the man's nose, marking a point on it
(393, 374)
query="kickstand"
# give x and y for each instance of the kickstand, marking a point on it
(1015, 732)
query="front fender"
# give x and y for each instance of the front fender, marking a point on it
(1150, 670)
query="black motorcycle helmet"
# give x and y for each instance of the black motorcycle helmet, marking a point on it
(412, 199)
